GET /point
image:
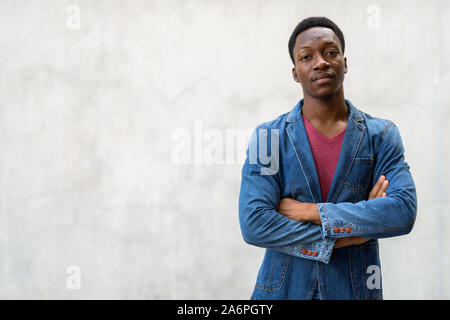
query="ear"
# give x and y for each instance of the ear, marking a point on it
(294, 74)
(345, 65)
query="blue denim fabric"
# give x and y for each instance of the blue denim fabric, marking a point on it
(316, 295)
(299, 255)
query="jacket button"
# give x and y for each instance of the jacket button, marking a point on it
(342, 229)
(349, 229)
(315, 253)
(336, 230)
(303, 251)
(309, 253)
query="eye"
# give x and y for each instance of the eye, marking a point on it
(333, 53)
(304, 58)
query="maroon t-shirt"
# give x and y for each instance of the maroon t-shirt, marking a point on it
(326, 154)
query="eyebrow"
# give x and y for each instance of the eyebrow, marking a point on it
(327, 44)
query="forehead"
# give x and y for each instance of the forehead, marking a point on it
(316, 35)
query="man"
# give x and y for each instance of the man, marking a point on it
(336, 181)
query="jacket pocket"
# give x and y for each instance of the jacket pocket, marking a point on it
(360, 174)
(365, 270)
(272, 273)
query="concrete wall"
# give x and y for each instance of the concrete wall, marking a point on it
(120, 166)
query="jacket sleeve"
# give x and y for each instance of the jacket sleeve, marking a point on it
(390, 216)
(262, 225)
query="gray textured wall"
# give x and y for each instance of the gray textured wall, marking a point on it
(121, 129)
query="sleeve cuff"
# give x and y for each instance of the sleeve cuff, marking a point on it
(319, 251)
(326, 232)
(333, 229)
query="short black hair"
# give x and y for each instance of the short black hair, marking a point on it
(312, 22)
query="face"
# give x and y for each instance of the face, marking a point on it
(320, 66)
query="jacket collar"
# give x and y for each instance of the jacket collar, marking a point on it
(296, 113)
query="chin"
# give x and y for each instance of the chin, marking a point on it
(325, 95)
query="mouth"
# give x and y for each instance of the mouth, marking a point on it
(323, 77)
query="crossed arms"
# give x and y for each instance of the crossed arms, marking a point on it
(309, 212)
(295, 227)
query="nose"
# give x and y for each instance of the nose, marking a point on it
(320, 63)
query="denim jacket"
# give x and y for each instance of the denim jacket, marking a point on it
(300, 256)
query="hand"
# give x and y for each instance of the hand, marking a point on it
(378, 191)
(349, 241)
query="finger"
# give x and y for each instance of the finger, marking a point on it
(383, 188)
(376, 188)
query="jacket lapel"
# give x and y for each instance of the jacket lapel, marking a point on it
(354, 134)
(299, 140)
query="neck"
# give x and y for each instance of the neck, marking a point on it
(329, 110)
